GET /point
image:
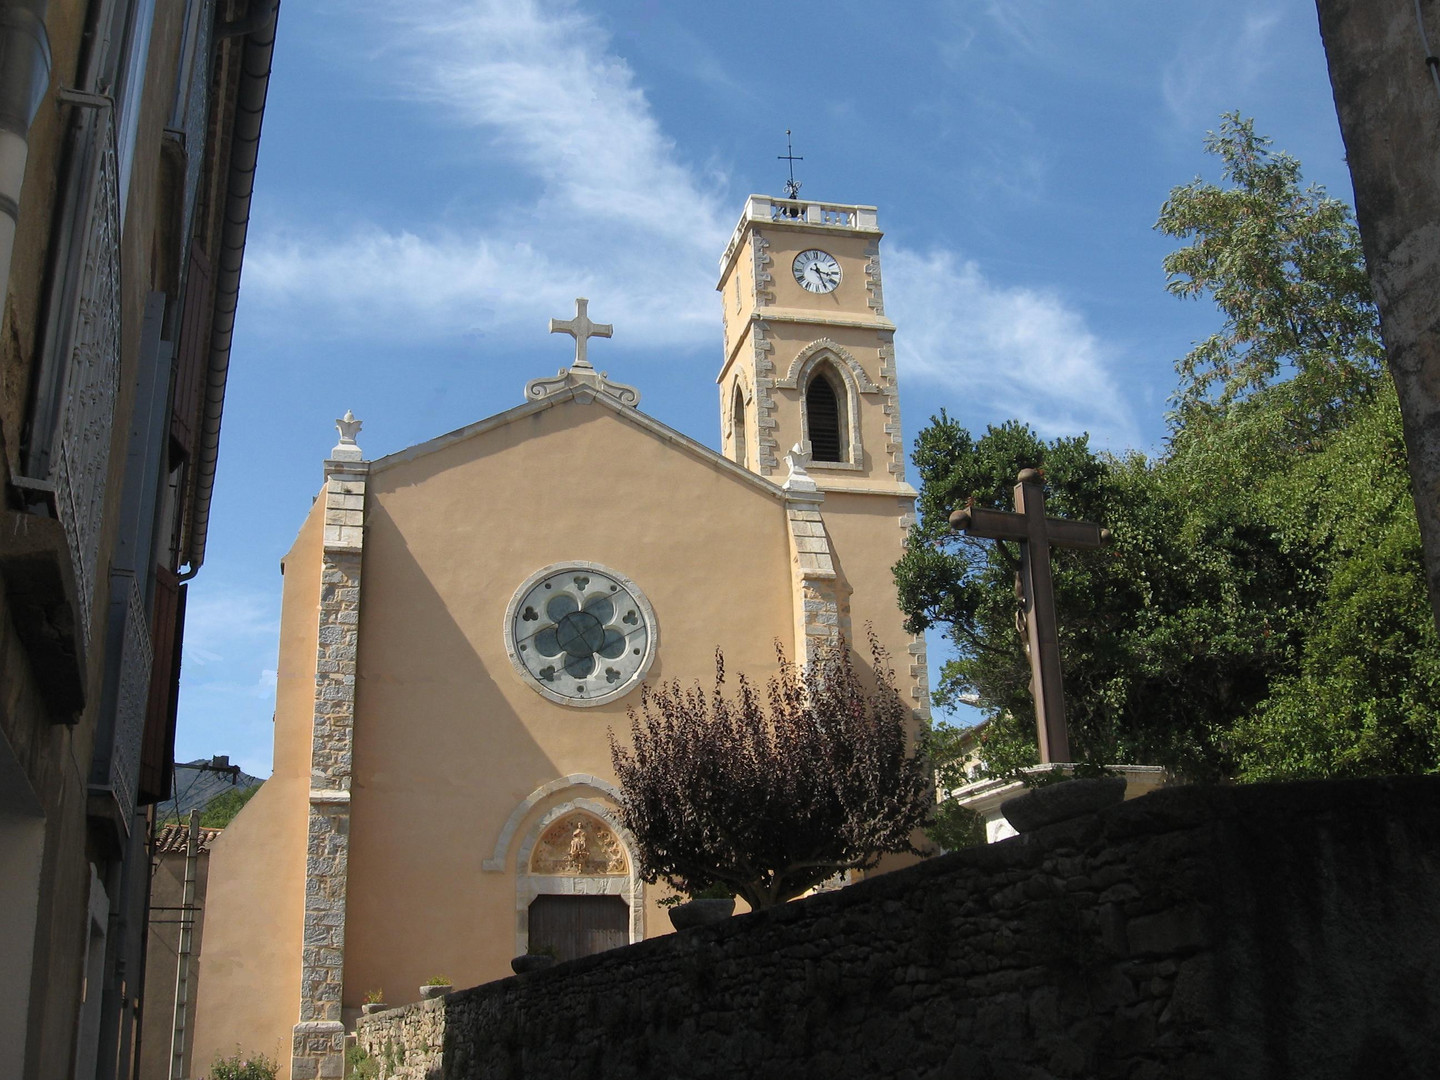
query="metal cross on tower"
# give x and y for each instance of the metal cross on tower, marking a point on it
(1037, 535)
(581, 329)
(792, 186)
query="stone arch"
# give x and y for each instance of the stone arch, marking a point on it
(820, 350)
(824, 358)
(496, 862)
(529, 884)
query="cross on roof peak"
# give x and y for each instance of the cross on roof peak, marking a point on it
(581, 329)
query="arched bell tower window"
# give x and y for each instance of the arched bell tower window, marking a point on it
(825, 416)
(739, 449)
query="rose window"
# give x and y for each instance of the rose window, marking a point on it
(580, 634)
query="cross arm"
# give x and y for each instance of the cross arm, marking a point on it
(990, 524)
(1007, 525)
(1075, 534)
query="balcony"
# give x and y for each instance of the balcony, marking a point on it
(805, 212)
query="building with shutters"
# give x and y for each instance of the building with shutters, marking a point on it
(128, 139)
(464, 623)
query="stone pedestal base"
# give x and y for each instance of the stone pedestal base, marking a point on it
(317, 1050)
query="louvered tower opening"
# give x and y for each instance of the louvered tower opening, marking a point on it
(822, 409)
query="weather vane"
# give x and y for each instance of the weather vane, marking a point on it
(792, 186)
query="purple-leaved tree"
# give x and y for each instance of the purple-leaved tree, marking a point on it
(770, 794)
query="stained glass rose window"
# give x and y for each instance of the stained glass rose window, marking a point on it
(580, 634)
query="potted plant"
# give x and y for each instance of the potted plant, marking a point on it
(373, 1003)
(536, 958)
(438, 986)
(712, 904)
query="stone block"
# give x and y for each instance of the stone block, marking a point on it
(1168, 932)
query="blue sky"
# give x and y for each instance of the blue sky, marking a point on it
(437, 179)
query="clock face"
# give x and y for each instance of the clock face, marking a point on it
(580, 634)
(817, 270)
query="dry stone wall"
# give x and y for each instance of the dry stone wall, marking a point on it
(1266, 931)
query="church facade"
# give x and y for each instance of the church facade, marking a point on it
(465, 622)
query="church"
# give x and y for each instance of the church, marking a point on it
(465, 621)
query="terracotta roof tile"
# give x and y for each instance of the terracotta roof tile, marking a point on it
(171, 839)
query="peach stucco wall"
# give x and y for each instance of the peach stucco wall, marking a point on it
(448, 740)
(248, 996)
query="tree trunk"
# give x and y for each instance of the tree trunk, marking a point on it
(1389, 108)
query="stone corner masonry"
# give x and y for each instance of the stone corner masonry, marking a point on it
(318, 1043)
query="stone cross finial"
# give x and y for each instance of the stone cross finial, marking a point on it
(1037, 534)
(346, 449)
(581, 329)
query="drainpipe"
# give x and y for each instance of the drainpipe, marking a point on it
(259, 48)
(24, 78)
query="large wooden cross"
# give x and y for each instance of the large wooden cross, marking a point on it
(1037, 534)
(581, 329)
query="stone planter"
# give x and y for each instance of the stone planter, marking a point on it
(523, 965)
(1062, 801)
(701, 913)
(435, 990)
(372, 1007)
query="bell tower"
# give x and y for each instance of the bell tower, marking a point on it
(809, 353)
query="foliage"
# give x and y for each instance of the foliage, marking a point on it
(768, 795)
(375, 997)
(1262, 610)
(359, 1065)
(950, 751)
(1285, 268)
(439, 980)
(1158, 633)
(221, 810)
(1364, 694)
(956, 827)
(240, 1066)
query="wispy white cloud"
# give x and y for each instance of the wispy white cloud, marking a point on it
(228, 695)
(999, 352)
(613, 202)
(1216, 65)
(218, 617)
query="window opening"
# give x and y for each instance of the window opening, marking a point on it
(737, 427)
(822, 407)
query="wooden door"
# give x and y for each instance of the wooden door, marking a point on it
(578, 925)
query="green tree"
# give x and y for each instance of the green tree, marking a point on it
(1262, 611)
(1162, 634)
(1284, 266)
(769, 795)
(221, 810)
(1364, 695)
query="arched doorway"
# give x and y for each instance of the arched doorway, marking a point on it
(577, 892)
